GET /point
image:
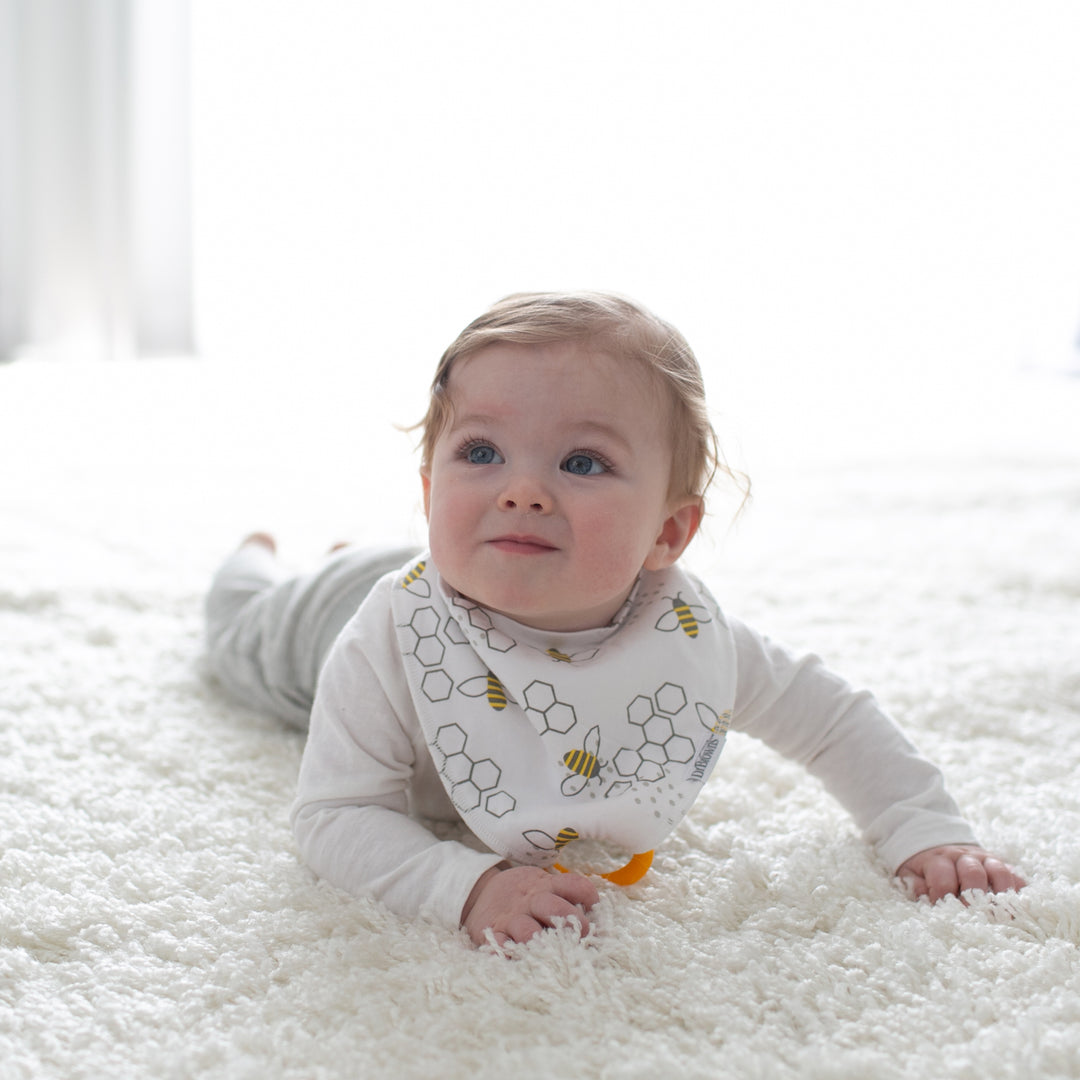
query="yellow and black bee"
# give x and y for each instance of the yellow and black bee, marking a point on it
(488, 684)
(714, 723)
(414, 583)
(569, 658)
(584, 764)
(540, 839)
(682, 616)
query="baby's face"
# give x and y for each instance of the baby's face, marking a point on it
(547, 493)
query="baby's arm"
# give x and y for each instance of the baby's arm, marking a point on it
(351, 815)
(896, 797)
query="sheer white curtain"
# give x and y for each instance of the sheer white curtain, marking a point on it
(95, 204)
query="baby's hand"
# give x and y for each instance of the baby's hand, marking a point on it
(519, 902)
(948, 871)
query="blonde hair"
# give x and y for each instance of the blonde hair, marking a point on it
(620, 327)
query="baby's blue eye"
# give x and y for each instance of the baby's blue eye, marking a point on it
(482, 454)
(584, 465)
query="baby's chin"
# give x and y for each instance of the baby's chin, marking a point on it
(532, 610)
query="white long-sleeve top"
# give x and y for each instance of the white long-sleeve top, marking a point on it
(368, 775)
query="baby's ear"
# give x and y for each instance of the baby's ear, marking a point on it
(676, 533)
(425, 483)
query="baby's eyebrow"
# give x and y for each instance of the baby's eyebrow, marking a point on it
(584, 428)
(601, 430)
(473, 420)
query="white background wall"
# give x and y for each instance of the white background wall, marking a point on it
(861, 214)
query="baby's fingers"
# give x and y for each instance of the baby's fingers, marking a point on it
(956, 869)
(521, 928)
(971, 874)
(575, 888)
(547, 907)
(497, 938)
(914, 885)
(1002, 877)
(942, 878)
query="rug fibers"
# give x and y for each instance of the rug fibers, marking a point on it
(155, 920)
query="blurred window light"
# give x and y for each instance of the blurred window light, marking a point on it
(833, 193)
(95, 206)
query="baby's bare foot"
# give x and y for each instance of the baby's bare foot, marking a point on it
(264, 539)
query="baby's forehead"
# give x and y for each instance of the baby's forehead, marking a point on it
(573, 384)
(576, 354)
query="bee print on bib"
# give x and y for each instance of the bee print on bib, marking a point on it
(487, 686)
(683, 616)
(415, 583)
(584, 764)
(543, 842)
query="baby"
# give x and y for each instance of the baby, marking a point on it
(546, 672)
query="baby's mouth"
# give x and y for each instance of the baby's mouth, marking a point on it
(516, 544)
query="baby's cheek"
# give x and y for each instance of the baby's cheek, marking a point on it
(440, 541)
(614, 564)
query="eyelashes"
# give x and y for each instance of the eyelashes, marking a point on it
(479, 452)
(580, 462)
(586, 463)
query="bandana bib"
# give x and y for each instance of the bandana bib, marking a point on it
(541, 738)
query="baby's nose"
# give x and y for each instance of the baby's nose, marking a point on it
(525, 493)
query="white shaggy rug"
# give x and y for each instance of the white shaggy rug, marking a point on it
(155, 921)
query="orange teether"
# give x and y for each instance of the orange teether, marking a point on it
(633, 871)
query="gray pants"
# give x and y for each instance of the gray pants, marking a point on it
(268, 632)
